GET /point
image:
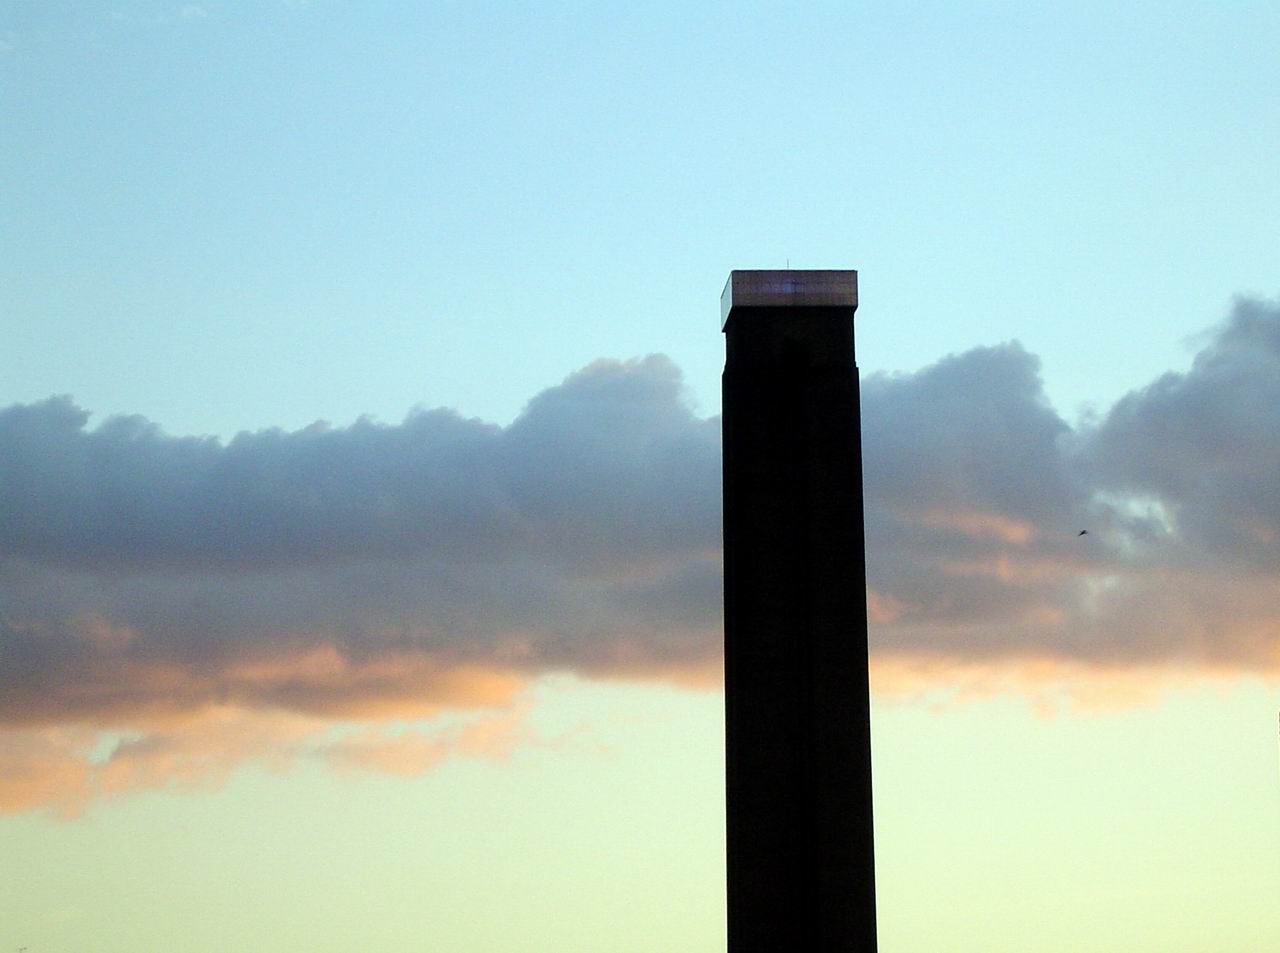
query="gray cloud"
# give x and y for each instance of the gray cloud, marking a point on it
(1206, 444)
(373, 568)
(125, 497)
(976, 489)
(141, 570)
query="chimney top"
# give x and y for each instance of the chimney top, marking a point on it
(788, 289)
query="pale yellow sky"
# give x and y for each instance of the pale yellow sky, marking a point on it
(1151, 829)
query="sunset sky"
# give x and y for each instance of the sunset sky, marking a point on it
(359, 464)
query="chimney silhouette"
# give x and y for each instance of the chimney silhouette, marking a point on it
(801, 866)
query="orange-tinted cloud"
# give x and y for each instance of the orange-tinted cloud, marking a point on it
(412, 753)
(64, 770)
(976, 524)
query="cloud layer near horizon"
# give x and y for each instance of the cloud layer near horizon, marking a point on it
(151, 583)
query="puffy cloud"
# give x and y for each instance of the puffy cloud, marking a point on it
(972, 506)
(165, 586)
(169, 587)
(345, 571)
(1206, 446)
(125, 497)
(976, 489)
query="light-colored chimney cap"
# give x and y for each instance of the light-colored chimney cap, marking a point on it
(788, 289)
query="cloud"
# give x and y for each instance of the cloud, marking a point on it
(1206, 445)
(65, 769)
(342, 571)
(374, 573)
(126, 498)
(976, 489)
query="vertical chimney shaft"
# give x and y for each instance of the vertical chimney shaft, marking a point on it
(801, 870)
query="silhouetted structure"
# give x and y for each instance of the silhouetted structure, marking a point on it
(801, 869)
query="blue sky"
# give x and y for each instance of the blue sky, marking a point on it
(458, 204)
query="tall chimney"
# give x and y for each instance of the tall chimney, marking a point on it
(801, 866)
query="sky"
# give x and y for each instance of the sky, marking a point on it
(359, 464)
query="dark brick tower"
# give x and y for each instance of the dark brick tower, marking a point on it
(801, 867)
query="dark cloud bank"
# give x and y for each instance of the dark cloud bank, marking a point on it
(371, 568)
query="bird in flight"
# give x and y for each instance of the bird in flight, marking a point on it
(1083, 532)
